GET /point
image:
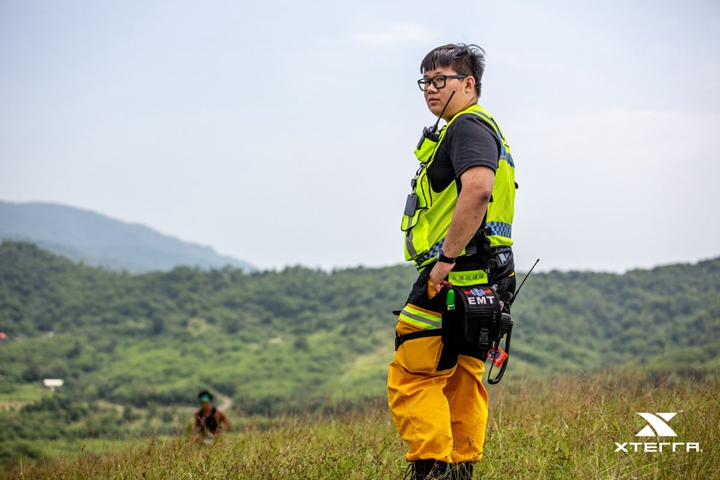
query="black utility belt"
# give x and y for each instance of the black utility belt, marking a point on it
(473, 316)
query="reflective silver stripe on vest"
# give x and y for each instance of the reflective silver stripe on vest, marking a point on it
(409, 243)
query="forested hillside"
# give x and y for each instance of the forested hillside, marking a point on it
(297, 337)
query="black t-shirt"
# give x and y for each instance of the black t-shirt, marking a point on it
(208, 423)
(469, 142)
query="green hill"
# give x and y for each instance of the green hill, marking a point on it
(95, 239)
(298, 337)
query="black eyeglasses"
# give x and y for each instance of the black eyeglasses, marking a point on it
(437, 81)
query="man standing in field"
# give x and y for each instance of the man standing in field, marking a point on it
(457, 225)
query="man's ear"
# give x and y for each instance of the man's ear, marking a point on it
(469, 83)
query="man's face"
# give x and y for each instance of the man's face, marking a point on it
(437, 98)
(206, 406)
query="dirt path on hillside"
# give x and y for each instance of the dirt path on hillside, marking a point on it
(226, 402)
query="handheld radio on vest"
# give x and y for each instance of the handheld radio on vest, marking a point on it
(431, 133)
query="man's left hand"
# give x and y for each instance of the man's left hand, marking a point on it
(437, 277)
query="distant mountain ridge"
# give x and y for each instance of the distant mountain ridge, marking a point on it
(95, 239)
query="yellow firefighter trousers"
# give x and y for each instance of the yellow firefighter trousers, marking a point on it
(441, 415)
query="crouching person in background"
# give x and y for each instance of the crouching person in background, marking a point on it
(210, 422)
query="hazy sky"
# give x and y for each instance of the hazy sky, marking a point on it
(281, 132)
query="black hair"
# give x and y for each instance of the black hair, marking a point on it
(464, 59)
(205, 392)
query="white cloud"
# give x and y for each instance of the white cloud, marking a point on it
(397, 33)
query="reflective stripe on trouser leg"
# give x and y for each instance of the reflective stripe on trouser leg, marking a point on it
(468, 402)
(417, 403)
(419, 317)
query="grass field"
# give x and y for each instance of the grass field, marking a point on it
(564, 428)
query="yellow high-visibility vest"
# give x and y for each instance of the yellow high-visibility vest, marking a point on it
(427, 225)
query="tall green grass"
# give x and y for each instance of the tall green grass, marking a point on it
(563, 428)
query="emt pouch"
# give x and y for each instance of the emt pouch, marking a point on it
(472, 320)
(474, 314)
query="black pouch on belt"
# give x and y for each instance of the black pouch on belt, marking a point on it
(476, 312)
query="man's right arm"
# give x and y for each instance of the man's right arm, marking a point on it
(469, 212)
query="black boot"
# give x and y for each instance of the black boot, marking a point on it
(462, 471)
(429, 469)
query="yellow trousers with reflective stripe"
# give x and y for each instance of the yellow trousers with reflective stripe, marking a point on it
(442, 415)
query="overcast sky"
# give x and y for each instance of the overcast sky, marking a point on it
(281, 132)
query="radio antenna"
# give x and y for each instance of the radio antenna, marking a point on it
(523, 282)
(431, 133)
(435, 127)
